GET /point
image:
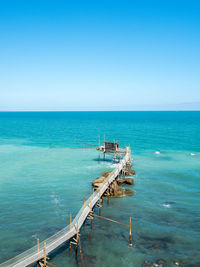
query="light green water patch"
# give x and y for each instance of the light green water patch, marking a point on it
(40, 187)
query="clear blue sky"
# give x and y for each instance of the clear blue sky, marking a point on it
(99, 55)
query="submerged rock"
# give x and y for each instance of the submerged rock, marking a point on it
(128, 192)
(147, 264)
(114, 189)
(121, 181)
(156, 246)
(105, 174)
(129, 172)
(161, 262)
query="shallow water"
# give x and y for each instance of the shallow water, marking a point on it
(41, 184)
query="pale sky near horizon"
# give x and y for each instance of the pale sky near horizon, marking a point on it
(99, 55)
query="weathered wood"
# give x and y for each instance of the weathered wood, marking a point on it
(108, 219)
(70, 227)
(45, 255)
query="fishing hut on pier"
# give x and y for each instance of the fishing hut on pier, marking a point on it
(111, 148)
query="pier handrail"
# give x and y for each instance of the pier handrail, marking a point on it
(32, 255)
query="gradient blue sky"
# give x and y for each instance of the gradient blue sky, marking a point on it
(99, 55)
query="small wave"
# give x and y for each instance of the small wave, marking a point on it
(167, 205)
(157, 152)
(192, 154)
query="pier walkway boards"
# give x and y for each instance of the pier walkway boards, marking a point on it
(33, 255)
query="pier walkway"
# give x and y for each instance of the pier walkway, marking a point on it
(33, 255)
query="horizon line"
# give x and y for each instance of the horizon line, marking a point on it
(192, 110)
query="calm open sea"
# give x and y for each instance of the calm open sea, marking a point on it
(41, 184)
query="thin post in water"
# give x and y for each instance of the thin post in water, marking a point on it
(130, 235)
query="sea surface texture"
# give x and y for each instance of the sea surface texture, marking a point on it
(44, 176)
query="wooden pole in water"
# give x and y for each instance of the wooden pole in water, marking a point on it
(99, 204)
(38, 249)
(107, 201)
(70, 225)
(45, 255)
(77, 237)
(91, 225)
(99, 147)
(130, 236)
(84, 208)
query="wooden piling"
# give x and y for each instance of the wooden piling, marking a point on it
(45, 255)
(99, 204)
(38, 249)
(70, 247)
(77, 237)
(70, 224)
(130, 235)
(91, 225)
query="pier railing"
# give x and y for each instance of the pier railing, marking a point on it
(37, 252)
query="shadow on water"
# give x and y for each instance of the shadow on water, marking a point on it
(154, 243)
(103, 160)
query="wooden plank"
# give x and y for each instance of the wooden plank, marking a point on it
(111, 220)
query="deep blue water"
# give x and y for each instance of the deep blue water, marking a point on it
(42, 182)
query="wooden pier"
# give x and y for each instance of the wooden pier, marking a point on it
(42, 249)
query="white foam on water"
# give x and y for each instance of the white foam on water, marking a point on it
(157, 152)
(167, 205)
(192, 154)
(55, 199)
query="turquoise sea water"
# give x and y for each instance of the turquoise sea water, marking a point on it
(41, 184)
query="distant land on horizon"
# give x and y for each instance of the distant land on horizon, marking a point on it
(193, 106)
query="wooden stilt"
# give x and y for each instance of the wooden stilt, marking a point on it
(70, 225)
(38, 249)
(107, 201)
(99, 204)
(70, 247)
(99, 147)
(81, 256)
(91, 224)
(130, 235)
(45, 255)
(102, 199)
(77, 237)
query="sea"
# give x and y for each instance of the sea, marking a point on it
(49, 159)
